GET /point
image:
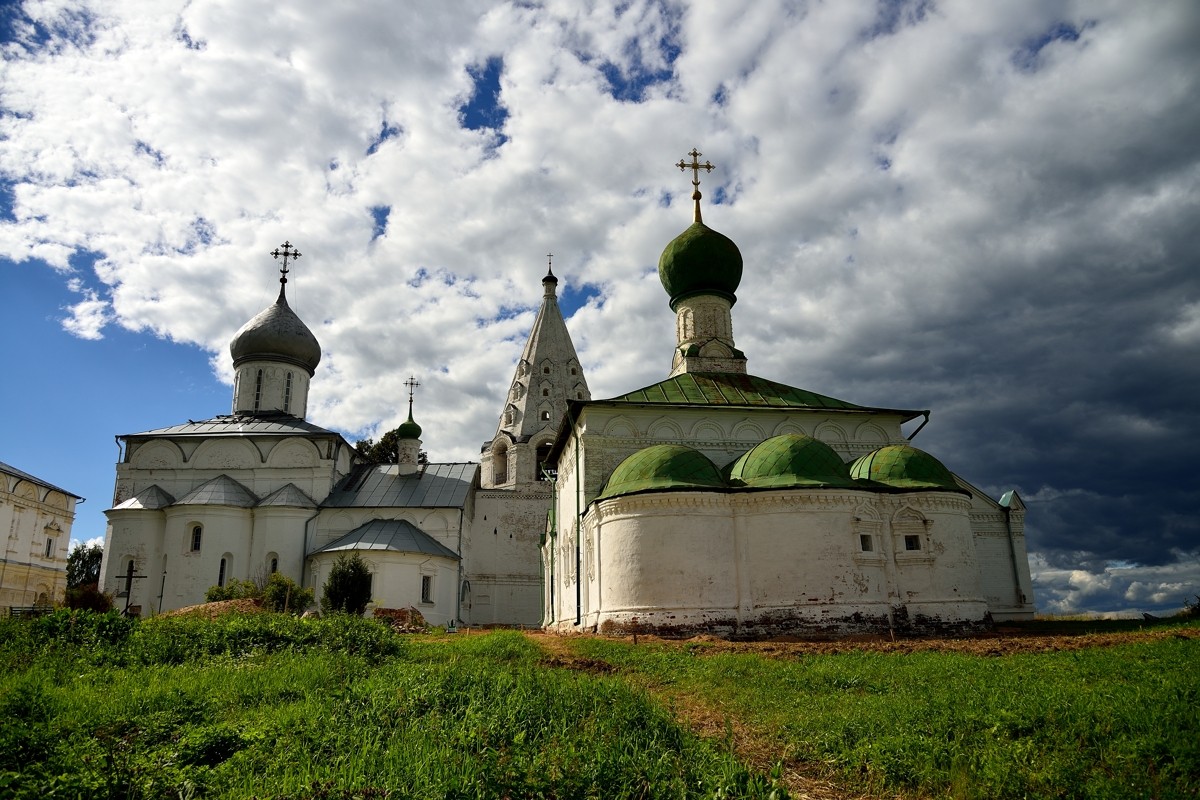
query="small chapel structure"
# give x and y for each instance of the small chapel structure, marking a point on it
(718, 501)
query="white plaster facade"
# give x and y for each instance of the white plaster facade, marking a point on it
(262, 489)
(36, 518)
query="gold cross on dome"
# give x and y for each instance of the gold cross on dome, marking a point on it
(288, 252)
(695, 167)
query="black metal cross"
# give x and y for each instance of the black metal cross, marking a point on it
(129, 579)
(288, 252)
(411, 383)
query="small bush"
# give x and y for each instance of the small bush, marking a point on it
(283, 594)
(232, 590)
(88, 597)
(348, 589)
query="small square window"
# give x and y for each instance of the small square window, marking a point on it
(864, 541)
(426, 588)
(912, 542)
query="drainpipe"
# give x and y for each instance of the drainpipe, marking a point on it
(578, 533)
(459, 588)
(307, 547)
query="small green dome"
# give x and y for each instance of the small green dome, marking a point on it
(792, 460)
(904, 467)
(663, 467)
(700, 261)
(408, 429)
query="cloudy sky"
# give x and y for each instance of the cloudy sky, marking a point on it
(989, 209)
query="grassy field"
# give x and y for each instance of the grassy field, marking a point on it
(270, 706)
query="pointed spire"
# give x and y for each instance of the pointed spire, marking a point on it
(695, 166)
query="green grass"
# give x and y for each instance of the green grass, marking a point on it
(268, 706)
(1106, 722)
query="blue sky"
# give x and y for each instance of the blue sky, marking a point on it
(988, 210)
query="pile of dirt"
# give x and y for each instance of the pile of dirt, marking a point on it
(218, 609)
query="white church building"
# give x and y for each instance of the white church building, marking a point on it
(718, 501)
(713, 501)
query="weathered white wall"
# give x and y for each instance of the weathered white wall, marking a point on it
(396, 581)
(501, 559)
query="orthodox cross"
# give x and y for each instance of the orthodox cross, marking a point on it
(695, 167)
(412, 384)
(288, 252)
(129, 579)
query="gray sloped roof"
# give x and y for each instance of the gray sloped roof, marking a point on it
(220, 491)
(288, 495)
(436, 486)
(395, 535)
(151, 498)
(16, 473)
(263, 424)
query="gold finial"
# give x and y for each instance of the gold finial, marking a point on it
(288, 252)
(412, 384)
(695, 167)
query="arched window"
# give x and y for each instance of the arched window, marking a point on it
(274, 565)
(221, 573)
(543, 455)
(287, 394)
(500, 464)
(545, 392)
(258, 390)
(197, 535)
(237, 385)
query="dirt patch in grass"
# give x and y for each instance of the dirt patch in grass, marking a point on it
(218, 609)
(758, 749)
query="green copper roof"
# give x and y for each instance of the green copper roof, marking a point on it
(790, 460)
(408, 429)
(904, 467)
(663, 467)
(700, 261)
(731, 389)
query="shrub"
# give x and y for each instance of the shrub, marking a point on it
(283, 594)
(88, 597)
(232, 590)
(348, 589)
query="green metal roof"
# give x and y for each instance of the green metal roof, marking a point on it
(790, 460)
(700, 261)
(903, 466)
(731, 389)
(663, 467)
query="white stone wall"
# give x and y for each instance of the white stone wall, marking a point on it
(762, 563)
(275, 393)
(501, 557)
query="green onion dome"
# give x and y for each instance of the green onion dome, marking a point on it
(904, 467)
(700, 261)
(276, 334)
(661, 468)
(792, 460)
(408, 429)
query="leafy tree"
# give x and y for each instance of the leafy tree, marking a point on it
(385, 451)
(348, 588)
(283, 594)
(83, 565)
